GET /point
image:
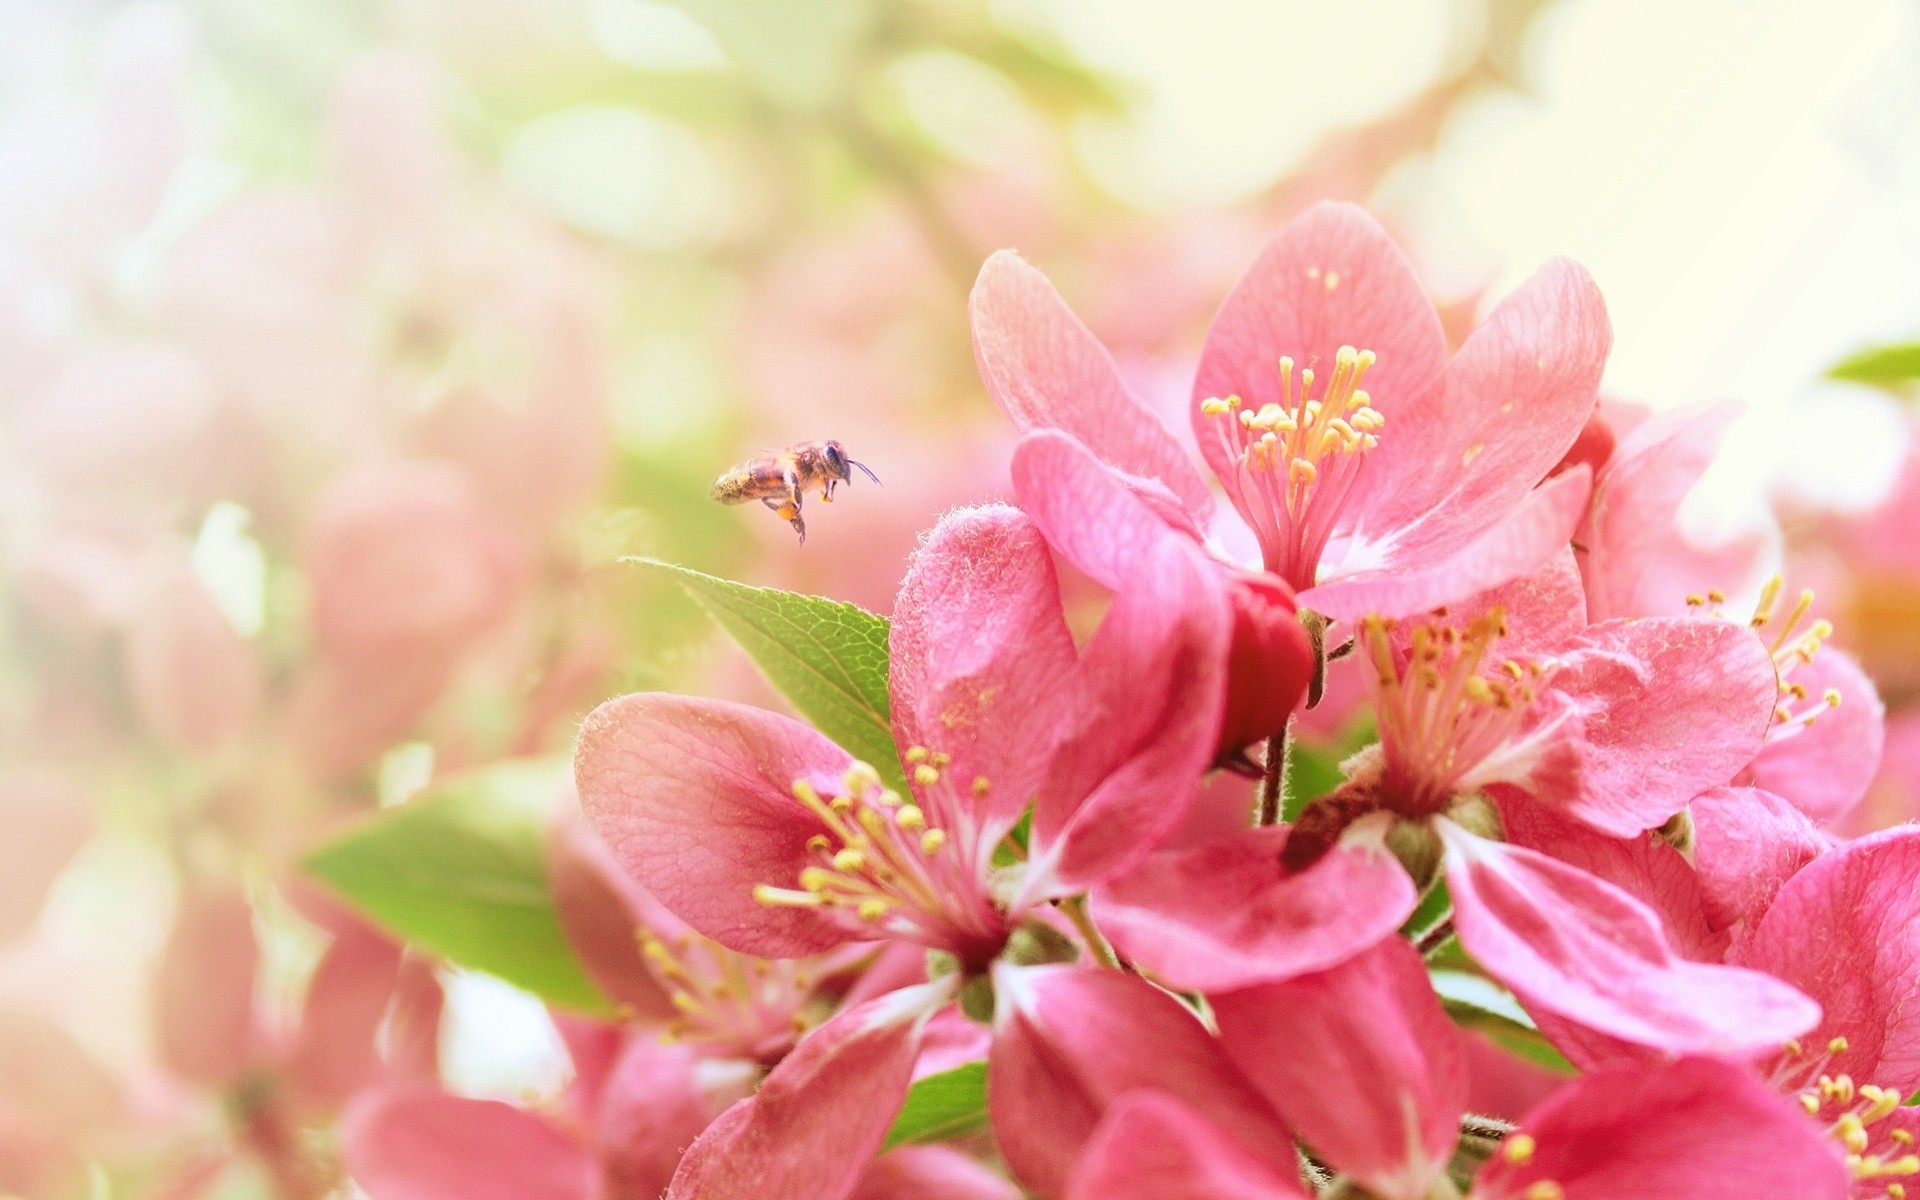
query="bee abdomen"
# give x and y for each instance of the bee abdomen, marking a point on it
(732, 488)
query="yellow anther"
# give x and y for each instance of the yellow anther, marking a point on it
(890, 799)
(1300, 472)
(1880, 1102)
(1792, 1048)
(872, 910)
(1545, 1189)
(775, 897)
(1837, 1088)
(1519, 1148)
(1832, 697)
(1716, 596)
(819, 843)
(1213, 406)
(1896, 1191)
(1811, 1103)
(805, 794)
(1696, 600)
(1837, 1046)
(981, 785)
(1903, 1136)
(849, 860)
(911, 819)
(816, 879)
(685, 1003)
(925, 775)
(916, 754)
(940, 758)
(932, 840)
(1852, 1134)
(860, 777)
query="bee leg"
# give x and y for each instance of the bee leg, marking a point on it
(789, 511)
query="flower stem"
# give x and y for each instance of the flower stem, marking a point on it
(1272, 780)
(1076, 909)
(1436, 937)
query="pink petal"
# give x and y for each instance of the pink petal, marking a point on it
(1542, 610)
(1824, 768)
(810, 1130)
(1532, 530)
(1226, 914)
(336, 1052)
(1633, 526)
(1361, 1062)
(979, 653)
(1146, 708)
(1047, 371)
(1269, 663)
(203, 992)
(195, 682)
(1069, 1041)
(599, 907)
(931, 1173)
(1672, 706)
(1747, 843)
(1151, 1147)
(413, 1027)
(1087, 510)
(1691, 1130)
(1453, 463)
(1846, 930)
(695, 799)
(651, 1109)
(422, 1145)
(47, 822)
(1331, 278)
(1570, 944)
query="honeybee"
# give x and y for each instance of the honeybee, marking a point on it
(778, 478)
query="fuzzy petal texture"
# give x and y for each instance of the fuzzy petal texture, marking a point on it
(1516, 397)
(821, 1115)
(1632, 525)
(1069, 1041)
(425, 1145)
(1746, 844)
(1331, 278)
(980, 656)
(1152, 1147)
(695, 799)
(1669, 707)
(931, 1173)
(1527, 534)
(1570, 944)
(1846, 930)
(1361, 1062)
(1147, 700)
(1541, 611)
(1824, 768)
(1089, 512)
(1691, 1130)
(1226, 914)
(1046, 370)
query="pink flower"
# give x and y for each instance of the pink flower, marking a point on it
(1375, 474)
(765, 837)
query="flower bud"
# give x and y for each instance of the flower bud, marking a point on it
(1269, 663)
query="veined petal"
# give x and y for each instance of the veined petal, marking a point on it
(1570, 944)
(811, 1129)
(1516, 396)
(1691, 1130)
(1152, 1147)
(1824, 766)
(1846, 930)
(980, 656)
(1361, 1062)
(695, 799)
(1069, 1041)
(426, 1145)
(1226, 914)
(1747, 842)
(1046, 370)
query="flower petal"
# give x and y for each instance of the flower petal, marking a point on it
(203, 992)
(1746, 844)
(931, 1173)
(1046, 370)
(1691, 1130)
(1824, 767)
(1152, 1147)
(599, 909)
(1226, 914)
(694, 798)
(1531, 532)
(425, 1145)
(1570, 944)
(1846, 930)
(1331, 278)
(1361, 1062)
(336, 1052)
(980, 656)
(651, 1109)
(1088, 511)
(47, 822)
(1069, 1041)
(810, 1130)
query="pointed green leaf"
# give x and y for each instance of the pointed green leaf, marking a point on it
(1895, 367)
(826, 657)
(942, 1106)
(461, 871)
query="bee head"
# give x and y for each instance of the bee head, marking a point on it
(840, 466)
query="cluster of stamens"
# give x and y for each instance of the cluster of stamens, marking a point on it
(1298, 457)
(881, 862)
(1441, 715)
(1795, 643)
(750, 1005)
(1851, 1111)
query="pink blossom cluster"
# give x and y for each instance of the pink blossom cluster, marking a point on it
(1593, 789)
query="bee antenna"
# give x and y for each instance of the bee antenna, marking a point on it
(866, 471)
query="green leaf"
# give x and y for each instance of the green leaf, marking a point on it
(942, 1106)
(828, 658)
(1894, 367)
(1475, 1002)
(1313, 765)
(461, 871)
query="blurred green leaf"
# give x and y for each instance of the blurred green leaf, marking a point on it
(1313, 765)
(827, 657)
(461, 871)
(799, 54)
(942, 1106)
(1893, 367)
(1475, 1002)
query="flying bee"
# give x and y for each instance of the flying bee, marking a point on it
(779, 478)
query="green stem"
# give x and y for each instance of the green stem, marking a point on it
(1076, 909)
